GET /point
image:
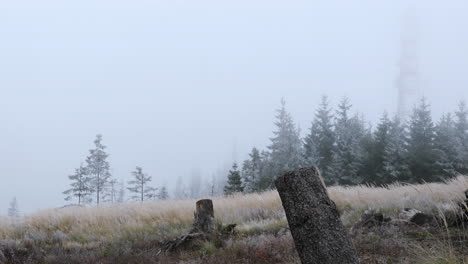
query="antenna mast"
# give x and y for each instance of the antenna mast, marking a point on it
(408, 76)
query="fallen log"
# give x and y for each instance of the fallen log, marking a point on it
(314, 220)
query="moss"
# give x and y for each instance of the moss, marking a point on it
(208, 248)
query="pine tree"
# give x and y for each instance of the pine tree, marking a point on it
(98, 168)
(286, 146)
(163, 194)
(13, 210)
(421, 149)
(80, 186)
(234, 184)
(394, 166)
(461, 137)
(140, 187)
(348, 154)
(251, 171)
(319, 144)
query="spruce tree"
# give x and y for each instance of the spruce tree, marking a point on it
(234, 183)
(251, 171)
(348, 154)
(163, 194)
(461, 137)
(80, 186)
(394, 165)
(286, 146)
(140, 185)
(377, 152)
(421, 148)
(445, 147)
(13, 210)
(98, 168)
(265, 180)
(366, 154)
(319, 143)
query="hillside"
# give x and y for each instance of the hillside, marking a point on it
(132, 232)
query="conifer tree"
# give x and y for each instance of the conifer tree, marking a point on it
(377, 152)
(286, 146)
(234, 183)
(98, 168)
(139, 185)
(251, 171)
(265, 180)
(121, 192)
(366, 154)
(111, 191)
(421, 148)
(13, 210)
(80, 186)
(348, 154)
(319, 143)
(461, 137)
(394, 165)
(163, 194)
(445, 145)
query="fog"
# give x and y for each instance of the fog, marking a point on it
(176, 86)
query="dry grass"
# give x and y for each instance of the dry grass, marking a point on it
(252, 211)
(131, 233)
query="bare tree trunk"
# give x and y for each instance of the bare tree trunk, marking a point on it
(314, 220)
(204, 216)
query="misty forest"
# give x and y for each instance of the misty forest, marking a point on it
(342, 144)
(243, 132)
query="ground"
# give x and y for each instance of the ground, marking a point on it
(133, 232)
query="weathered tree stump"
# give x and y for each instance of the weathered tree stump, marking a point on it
(314, 220)
(203, 228)
(203, 217)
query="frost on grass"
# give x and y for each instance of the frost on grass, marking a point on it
(252, 211)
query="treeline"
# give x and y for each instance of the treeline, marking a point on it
(93, 182)
(348, 151)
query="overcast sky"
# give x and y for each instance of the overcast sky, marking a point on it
(173, 85)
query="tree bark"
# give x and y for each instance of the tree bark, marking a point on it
(314, 220)
(204, 216)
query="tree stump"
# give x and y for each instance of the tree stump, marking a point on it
(203, 217)
(314, 220)
(203, 228)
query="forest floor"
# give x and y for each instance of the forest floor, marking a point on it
(134, 232)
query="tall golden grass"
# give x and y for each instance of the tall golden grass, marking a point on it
(172, 217)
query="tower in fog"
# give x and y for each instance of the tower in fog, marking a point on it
(408, 76)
